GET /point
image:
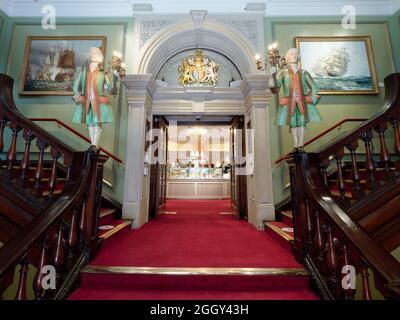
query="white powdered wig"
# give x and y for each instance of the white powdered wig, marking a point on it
(291, 51)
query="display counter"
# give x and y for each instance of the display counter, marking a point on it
(191, 188)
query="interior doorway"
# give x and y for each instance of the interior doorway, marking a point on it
(198, 158)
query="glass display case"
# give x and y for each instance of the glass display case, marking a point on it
(198, 172)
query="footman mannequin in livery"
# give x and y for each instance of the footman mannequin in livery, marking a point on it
(91, 88)
(297, 107)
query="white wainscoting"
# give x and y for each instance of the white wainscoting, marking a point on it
(198, 189)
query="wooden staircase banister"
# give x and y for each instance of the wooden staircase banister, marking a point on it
(9, 112)
(64, 233)
(78, 134)
(12, 252)
(320, 135)
(390, 111)
(326, 235)
(380, 261)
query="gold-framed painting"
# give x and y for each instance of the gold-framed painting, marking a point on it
(339, 65)
(50, 63)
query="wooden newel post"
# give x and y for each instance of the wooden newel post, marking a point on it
(93, 203)
(298, 207)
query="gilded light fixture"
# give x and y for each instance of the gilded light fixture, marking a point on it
(198, 70)
(274, 58)
(118, 68)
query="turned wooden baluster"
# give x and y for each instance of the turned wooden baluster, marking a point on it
(21, 290)
(82, 226)
(53, 179)
(331, 257)
(384, 153)
(68, 165)
(369, 164)
(37, 282)
(12, 151)
(308, 225)
(318, 237)
(349, 292)
(354, 166)
(72, 234)
(39, 168)
(3, 123)
(324, 167)
(340, 179)
(365, 283)
(58, 258)
(25, 163)
(396, 134)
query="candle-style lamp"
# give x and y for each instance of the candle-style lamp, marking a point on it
(118, 67)
(273, 58)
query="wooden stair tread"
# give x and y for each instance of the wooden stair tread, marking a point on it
(116, 229)
(347, 194)
(287, 213)
(106, 211)
(278, 227)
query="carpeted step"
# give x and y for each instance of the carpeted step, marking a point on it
(206, 283)
(287, 217)
(93, 294)
(104, 212)
(108, 227)
(280, 231)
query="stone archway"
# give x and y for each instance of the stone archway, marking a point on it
(144, 98)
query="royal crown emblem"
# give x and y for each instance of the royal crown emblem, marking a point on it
(198, 70)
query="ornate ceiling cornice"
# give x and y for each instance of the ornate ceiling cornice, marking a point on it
(124, 8)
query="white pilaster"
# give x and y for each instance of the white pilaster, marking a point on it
(260, 192)
(140, 89)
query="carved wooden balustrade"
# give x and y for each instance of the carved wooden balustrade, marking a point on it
(62, 233)
(330, 236)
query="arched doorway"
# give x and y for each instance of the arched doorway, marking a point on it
(249, 100)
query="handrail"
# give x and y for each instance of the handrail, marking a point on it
(12, 251)
(323, 133)
(327, 236)
(382, 262)
(64, 233)
(69, 128)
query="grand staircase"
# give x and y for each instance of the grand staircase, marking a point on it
(51, 206)
(344, 209)
(343, 215)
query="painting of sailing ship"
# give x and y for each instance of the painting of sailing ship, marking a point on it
(51, 63)
(339, 65)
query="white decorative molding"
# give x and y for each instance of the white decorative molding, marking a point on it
(149, 27)
(123, 8)
(247, 27)
(198, 17)
(6, 6)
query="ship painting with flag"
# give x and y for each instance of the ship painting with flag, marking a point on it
(51, 64)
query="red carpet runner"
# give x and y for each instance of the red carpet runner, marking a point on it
(196, 236)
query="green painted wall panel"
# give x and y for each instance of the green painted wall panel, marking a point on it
(333, 108)
(114, 135)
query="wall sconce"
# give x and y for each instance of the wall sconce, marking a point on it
(119, 71)
(273, 58)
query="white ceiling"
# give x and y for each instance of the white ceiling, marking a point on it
(123, 8)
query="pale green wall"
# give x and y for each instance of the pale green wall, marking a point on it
(332, 108)
(114, 135)
(119, 34)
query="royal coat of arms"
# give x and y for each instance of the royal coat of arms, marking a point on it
(198, 70)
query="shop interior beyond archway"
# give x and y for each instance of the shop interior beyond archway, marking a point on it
(199, 158)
